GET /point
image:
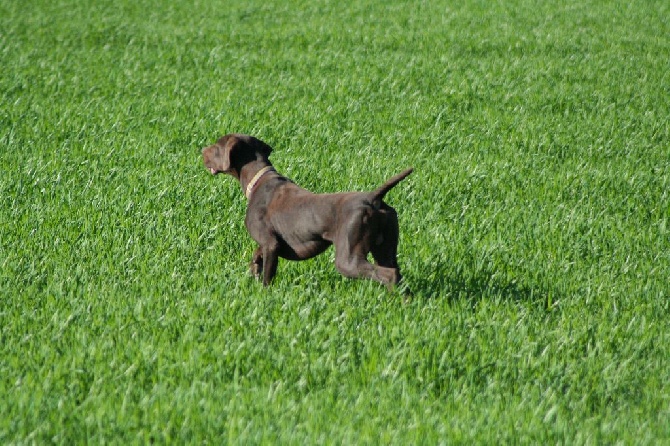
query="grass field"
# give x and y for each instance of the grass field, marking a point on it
(534, 230)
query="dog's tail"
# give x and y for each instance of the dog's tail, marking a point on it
(379, 193)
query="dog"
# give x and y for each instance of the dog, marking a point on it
(290, 222)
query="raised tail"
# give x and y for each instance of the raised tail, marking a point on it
(379, 193)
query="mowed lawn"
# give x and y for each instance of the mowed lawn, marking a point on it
(534, 231)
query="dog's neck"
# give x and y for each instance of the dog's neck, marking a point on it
(254, 171)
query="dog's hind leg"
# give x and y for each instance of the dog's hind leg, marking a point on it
(352, 245)
(384, 246)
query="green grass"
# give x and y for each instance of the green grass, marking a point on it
(534, 231)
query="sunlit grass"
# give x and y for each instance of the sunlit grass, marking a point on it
(534, 231)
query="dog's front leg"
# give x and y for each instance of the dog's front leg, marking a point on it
(256, 265)
(270, 261)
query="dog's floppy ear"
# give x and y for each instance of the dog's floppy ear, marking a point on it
(217, 157)
(228, 147)
(225, 150)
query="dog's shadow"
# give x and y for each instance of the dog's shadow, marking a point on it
(443, 280)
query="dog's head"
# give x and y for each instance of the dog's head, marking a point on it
(233, 151)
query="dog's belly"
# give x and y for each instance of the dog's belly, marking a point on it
(292, 250)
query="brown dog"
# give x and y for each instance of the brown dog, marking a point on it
(290, 222)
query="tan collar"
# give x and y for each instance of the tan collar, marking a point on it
(255, 179)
